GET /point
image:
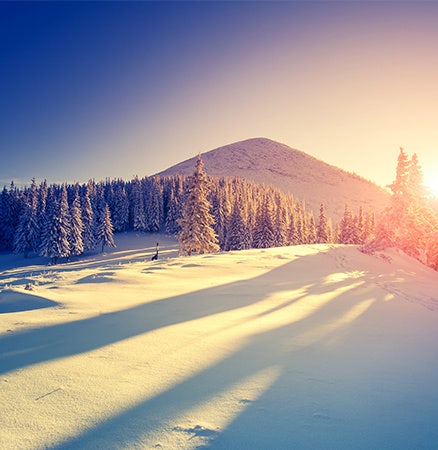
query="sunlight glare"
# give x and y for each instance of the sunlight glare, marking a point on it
(432, 185)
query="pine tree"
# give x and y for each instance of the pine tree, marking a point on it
(138, 213)
(104, 229)
(347, 231)
(76, 227)
(120, 208)
(87, 217)
(197, 233)
(153, 204)
(56, 231)
(322, 231)
(280, 222)
(26, 235)
(311, 230)
(237, 231)
(263, 235)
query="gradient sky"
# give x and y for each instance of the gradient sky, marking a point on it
(109, 89)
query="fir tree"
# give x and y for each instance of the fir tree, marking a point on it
(104, 229)
(76, 227)
(87, 217)
(263, 236)
(311, 230)
(197, 233)
(237, 231)
(138, 213)
(26, 235)
(347, 229)
(322, 230)
(56, 231)
(120, 209)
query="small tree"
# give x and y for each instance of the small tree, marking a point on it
(104, 229)
(76, 228)
(322, 230)
(197, 233)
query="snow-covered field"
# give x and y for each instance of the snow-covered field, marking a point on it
(307, 347)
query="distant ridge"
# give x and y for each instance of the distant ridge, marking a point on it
(307, 178)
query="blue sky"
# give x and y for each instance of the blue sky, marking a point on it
(115, 89)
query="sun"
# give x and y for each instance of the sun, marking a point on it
(431, 183)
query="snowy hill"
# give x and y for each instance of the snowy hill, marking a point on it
(306, 347)
(307, 178)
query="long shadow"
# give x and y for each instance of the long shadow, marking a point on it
(324, 396)
(44, 344)
(286, 347)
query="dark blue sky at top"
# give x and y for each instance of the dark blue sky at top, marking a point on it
(96, 89)
(74, 68)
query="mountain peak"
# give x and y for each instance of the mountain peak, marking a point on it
(266, 161)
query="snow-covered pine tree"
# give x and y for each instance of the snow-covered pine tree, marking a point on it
(120, 208)
(10, 214)
(292, 238)
(56, 231)
(137, 206)
(322, 231)
(153, 204)
(104, 228)
(26, 235)
(263, 234)
(347, 229)
(76, 227)
(237, 230)
(173, 213)
(87, 217)
(280, 221)
(197, 233)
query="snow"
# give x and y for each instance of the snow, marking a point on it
(293, 171)
(306, 347)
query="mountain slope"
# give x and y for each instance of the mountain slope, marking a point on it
(305, 347)
(307, 178)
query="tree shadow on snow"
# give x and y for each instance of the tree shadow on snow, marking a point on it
(323, 395)
(13, 301)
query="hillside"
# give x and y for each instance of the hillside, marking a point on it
(307, 178)
(306, 347)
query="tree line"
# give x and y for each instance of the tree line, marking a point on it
(64, 220)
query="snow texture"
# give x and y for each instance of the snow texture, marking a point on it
(305, 347)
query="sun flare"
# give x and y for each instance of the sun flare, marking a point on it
(432, 185)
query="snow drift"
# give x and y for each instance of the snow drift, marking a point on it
(307, 347)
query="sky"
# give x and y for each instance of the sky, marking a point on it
(118, 89)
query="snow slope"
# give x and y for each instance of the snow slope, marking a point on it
(307, 178)
(307, 347)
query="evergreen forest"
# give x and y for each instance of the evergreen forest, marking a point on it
(61, 221)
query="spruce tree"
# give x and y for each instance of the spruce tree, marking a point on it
(138, 213)
(264, 235)
(56, 231)
(76, 227)
(120, 208)
(347, 229)
(87, 217)
(197, 233)
(237, 231)
(322, 231)
(26, 235)
(104, 228)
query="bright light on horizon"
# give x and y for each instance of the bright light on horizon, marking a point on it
(431, 182)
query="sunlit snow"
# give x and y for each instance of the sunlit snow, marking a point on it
(306, 347)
